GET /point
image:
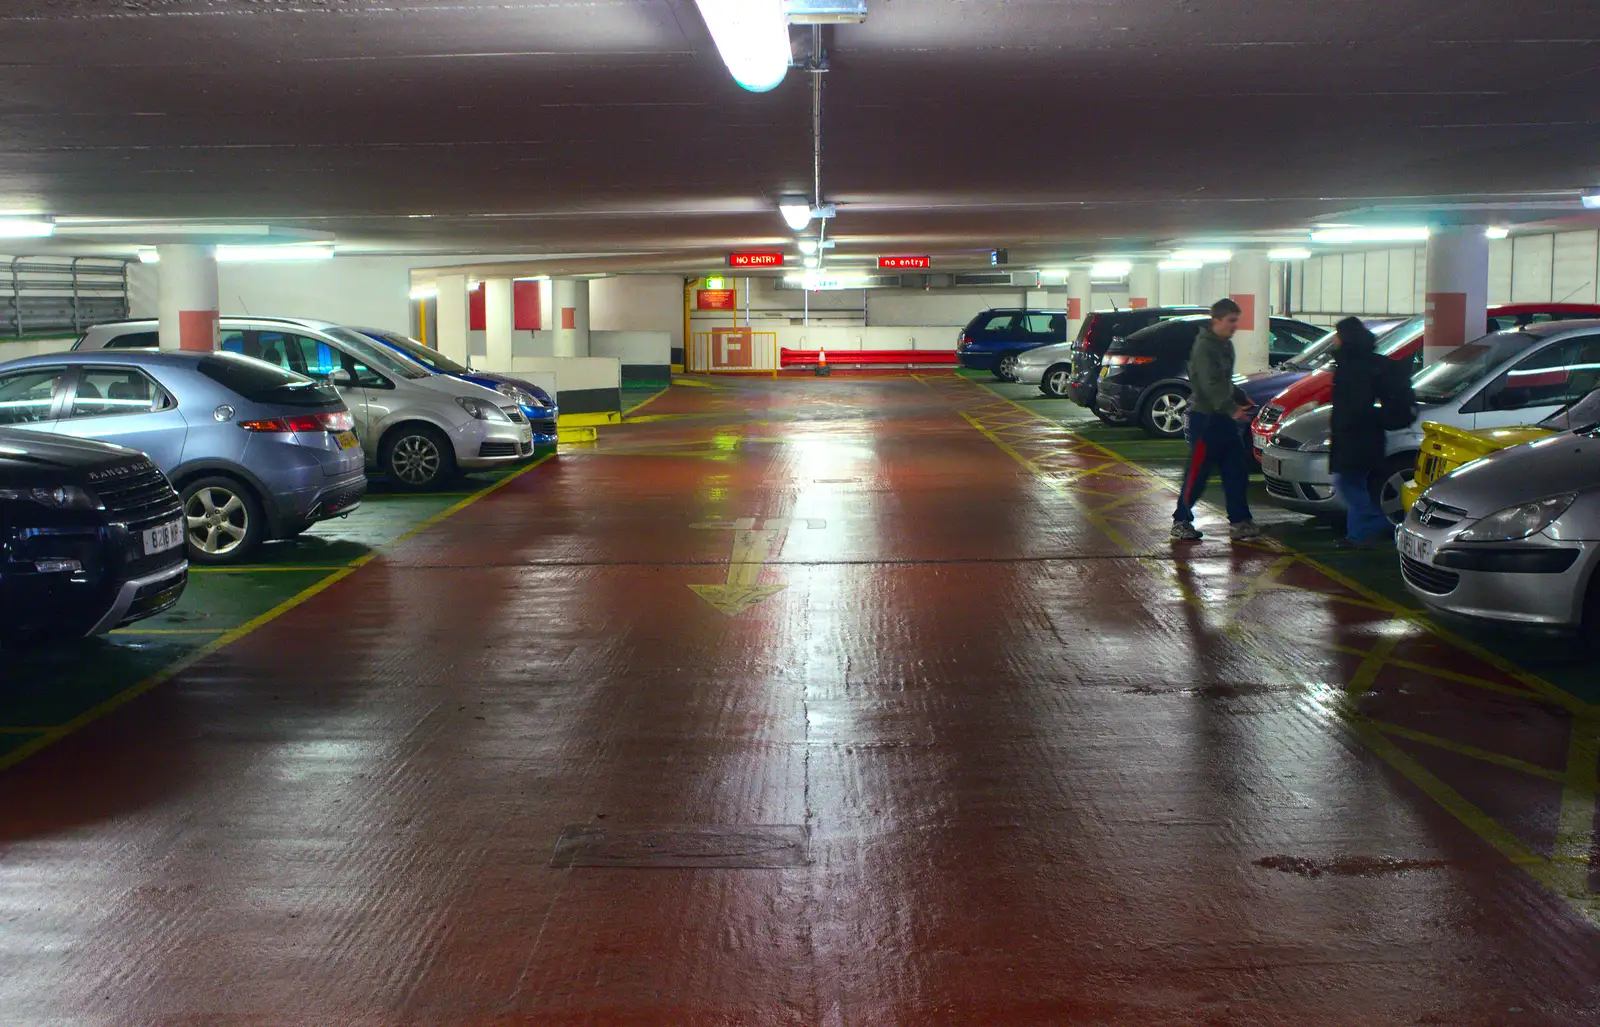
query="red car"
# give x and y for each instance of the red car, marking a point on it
(1404, 342)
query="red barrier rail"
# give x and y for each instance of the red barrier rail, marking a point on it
(862, 357)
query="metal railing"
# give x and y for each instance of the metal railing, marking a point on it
(732, 350)
(61, 294)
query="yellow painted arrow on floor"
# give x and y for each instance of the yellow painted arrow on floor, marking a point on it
(751, 548)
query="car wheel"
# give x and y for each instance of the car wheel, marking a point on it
(417, 458)
(1164, 412)
(1385, 486)
(1005, 368)
(224, 519)
(1055, 381)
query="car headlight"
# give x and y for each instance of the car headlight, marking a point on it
(482, 409)
(1518, 521)
(1321, 445)
(62, 497)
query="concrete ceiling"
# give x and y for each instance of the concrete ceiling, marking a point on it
(1054, 128)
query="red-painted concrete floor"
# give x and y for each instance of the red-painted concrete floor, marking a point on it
(853, 701)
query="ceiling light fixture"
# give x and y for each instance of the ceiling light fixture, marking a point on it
(1289, 253)
(1180, 265)
(1110, 269)
(753, 38)
(796, 211)
(813, 263)
(1497, 232)
(1590, 198)
(148, 256)
(1203, 256)
(26, 228)
(1351, 235)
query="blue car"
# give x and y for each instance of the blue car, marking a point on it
(994, 339)
(255, 451)
(537, 405)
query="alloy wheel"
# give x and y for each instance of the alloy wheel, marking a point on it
(1389, 497)
(218, 520)
(1008, 367)
(1057, 382)
(1167, 412)
(416, 460)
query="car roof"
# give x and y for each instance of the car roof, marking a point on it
(1547, 329)
(148, 322)
(140, 357)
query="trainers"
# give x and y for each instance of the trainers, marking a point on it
(1185, 531)
(1245, 529)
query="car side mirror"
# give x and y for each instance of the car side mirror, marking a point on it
(341, 377)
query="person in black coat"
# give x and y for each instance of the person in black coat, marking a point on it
(1370, 395)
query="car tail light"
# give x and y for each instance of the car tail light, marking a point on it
(1120, 360)
(337, 420)
(963, 341)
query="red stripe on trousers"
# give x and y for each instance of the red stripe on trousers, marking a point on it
(1196, 464)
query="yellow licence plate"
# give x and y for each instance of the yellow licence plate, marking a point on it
(347, 439)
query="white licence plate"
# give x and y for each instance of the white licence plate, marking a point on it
(1272, 465)
(1415, 546)
(1257, 441)
(163, 537)
(527, 433)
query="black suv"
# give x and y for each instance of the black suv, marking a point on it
(91, 536)
(1145, 377)
(993, 340)
(1098, 331)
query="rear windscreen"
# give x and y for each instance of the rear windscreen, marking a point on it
(261, 382)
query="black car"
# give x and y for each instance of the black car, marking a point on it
(994, 339)
(1145, 377)
(91, 536)
(1098, 331)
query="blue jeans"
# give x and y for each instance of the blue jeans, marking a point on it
(1215, 441)
(1364, 518)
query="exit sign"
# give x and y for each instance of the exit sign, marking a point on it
(895, 263)
(755, 260)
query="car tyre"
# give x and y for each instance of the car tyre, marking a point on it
(224, 520)
(1385, 486)
(1005, 368)
(1055, 381)
(1163, 412)
(417, 458)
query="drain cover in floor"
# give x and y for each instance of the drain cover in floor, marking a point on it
(755, 847)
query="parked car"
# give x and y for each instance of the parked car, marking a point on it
(1261, 386)
(535, 403)
(416, 426)
(255, 451)
(91, 535)
(1075, 374)
(994, 339)
(1145, 377)
(1404, 342)
(1512, 538)
(1508, 378)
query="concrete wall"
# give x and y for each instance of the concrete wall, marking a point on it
(584, 385)
(16, 349)
(638, 303)
(644, 356)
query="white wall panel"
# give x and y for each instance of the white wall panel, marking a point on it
(1375, 298)
(1500, 271)
(1532, 259)
(1572, 276)
(638, 303)
(1354, 281)
(1402, 286)
(1332, 282)
(1311, 284)
(1420, 290)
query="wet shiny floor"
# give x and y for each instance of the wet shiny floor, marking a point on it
(858, 701)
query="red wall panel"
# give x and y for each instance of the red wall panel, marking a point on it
(526, 312)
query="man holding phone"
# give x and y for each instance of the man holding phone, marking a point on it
(1213, 430)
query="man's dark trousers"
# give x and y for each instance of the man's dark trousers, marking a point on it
(1215, 442)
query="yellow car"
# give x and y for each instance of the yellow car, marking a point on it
(1445, 448)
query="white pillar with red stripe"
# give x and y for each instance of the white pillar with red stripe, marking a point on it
(1457, 289)
(1144, 286)
(1250, 286)
(570, 299)
(186, 297)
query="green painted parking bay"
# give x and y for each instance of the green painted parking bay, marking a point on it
(46, 689)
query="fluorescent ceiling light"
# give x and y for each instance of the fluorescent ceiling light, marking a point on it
(1203, 256)
(244, 254)
(1179, 265)
(1289, 253)
(26, 228)
(1591, 198)
(149, 257)
(1349, 235)
(425, 292)
(1110, 269)
(753, 38)
(1497, 232)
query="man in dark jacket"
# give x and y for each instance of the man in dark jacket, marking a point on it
(1216, 437)
(1367, 387)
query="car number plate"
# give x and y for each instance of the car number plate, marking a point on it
(527, 433)
(1272, 465)
(1257, 441)
(1415, 546)
(163, 537)
(347, 440)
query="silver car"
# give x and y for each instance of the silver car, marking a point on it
(1508, 378)
(1512, 537)
(256, 452)
(416, 426)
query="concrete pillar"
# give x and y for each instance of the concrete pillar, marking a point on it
(1144, 287)
(570, 316)
(186, 296)
(452, 317)
(1079, 301)
(1458, 289)
(1250, 286)
(499, 321)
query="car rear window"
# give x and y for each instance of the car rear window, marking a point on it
(1163, 339)
(261, 382)
(135, 340)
